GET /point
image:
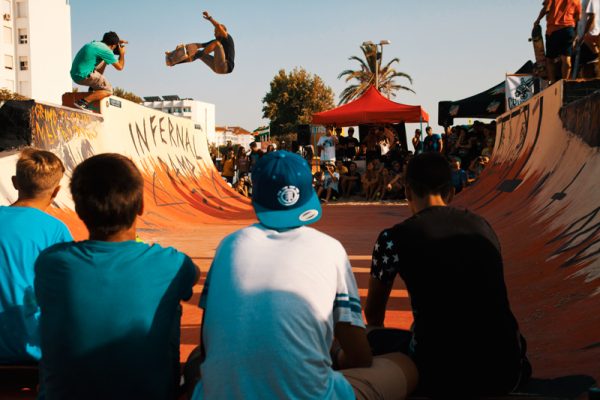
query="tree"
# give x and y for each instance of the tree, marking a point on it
(6, 95)
(293, 98)
(365, 77)
(122, 93)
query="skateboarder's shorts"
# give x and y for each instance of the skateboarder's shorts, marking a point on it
(96, 81)
(586, 55)
(384, 379)
(560, 43)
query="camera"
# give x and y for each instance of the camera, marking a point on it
(116, 49)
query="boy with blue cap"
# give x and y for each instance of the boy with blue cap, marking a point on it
(276, 295)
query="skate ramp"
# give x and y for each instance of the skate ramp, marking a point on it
(182, 186)
(541, 193)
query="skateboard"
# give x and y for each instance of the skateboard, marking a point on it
(182, 54)
(539, 69)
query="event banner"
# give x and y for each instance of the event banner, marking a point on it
(519, 89)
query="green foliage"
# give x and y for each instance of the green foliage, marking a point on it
(6, 95)
(365, 76)
(293, 98)
(122, 93)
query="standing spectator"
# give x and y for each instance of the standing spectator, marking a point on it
(25, 231)
(229, 166)
(255, 154)
(588, 32)
(340, 148)
(277, 294)
(465, 339)
(270, 148)
(433, 142)
(110, 306)
(326, 146)
(330, 189)
(241, 162)
(350, 182)
(373, 150)
(416, 141)
(352, 145)
(309, 153)
(459, 176)
(562, 17)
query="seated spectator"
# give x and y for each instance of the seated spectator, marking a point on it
(26, 230)
(268, 335)
(318, 180)
(395, 186)
(384, 179)
(229, 166)
(341, 168)
(352, 145)
(459, 176)
(370, 181)
(330, 189)
(477, 166)
(465, 338)
(243, 185)
(110, 311)
(350, 182)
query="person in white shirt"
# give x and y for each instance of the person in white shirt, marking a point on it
(326, 146)
(277, 294)
(588, 33)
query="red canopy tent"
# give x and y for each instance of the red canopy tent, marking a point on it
(370, 108)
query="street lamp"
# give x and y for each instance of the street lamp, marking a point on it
(377, 59)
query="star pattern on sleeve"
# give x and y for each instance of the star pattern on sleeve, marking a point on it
(384, 264)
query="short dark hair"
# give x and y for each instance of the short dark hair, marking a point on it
(429, 174)
(428, 129)
(108, 191)
(110, 39)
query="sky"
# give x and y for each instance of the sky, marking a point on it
(451, 48)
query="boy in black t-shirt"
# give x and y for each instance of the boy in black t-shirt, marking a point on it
(465, 339)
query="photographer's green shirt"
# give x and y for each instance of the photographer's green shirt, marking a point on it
(89, 57)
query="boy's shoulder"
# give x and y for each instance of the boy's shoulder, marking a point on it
(31, 214)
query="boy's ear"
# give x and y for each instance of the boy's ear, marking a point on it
(14, 182)
(141, 212)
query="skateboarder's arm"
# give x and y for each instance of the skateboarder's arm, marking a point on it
(215, 23)
(543, 12)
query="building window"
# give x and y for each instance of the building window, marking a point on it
(23, 38)
(22, 9)
(8, 62)
(8, 36)
(23, 63)
(187, 109)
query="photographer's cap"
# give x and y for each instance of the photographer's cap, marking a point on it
(282, 193)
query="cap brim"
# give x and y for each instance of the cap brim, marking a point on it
(285, 219)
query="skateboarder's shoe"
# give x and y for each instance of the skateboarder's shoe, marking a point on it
(81, 104)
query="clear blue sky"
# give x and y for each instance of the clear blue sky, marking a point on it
(451, 48)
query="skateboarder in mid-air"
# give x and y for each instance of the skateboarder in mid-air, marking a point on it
(218, 54)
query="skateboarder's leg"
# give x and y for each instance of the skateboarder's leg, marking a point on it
(217, 62)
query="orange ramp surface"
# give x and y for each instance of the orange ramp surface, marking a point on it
(540, 193)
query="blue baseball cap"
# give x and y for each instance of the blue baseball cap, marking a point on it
(282, 193)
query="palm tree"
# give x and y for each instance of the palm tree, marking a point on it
(365, 77)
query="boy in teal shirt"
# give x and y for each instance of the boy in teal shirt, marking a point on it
(110, 305)
(26, 230)
(89, 64)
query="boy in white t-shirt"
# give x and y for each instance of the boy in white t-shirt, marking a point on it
(326, 146)
(276, 295)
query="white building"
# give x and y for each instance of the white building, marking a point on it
(203, 114)
(35, 48)
(234, 135)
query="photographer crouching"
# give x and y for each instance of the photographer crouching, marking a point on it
(89, 64)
